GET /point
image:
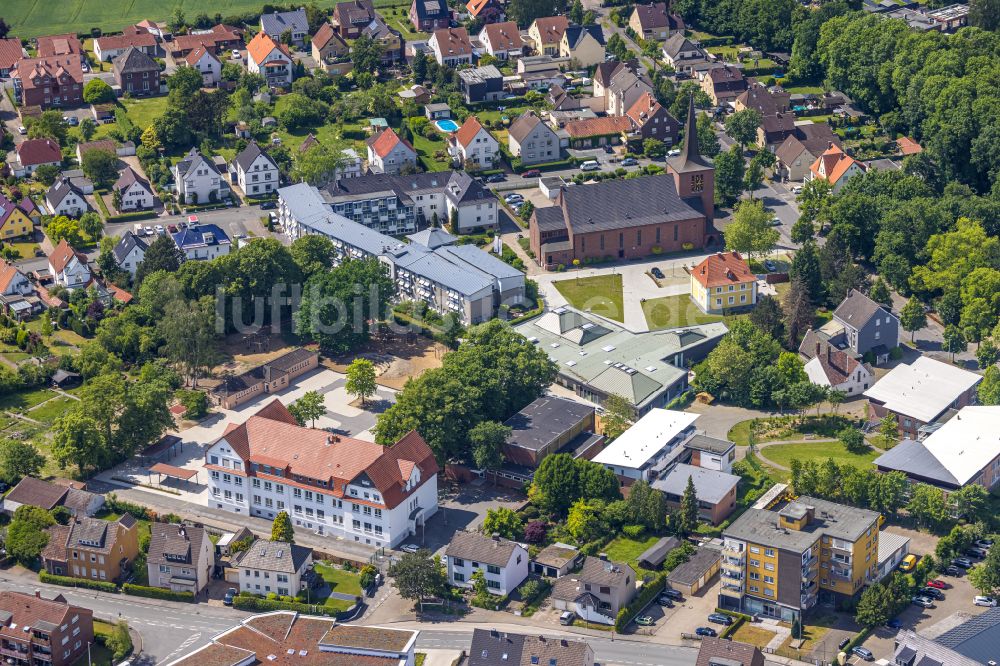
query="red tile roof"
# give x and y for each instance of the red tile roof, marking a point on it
(468, 131)
(598, 126)
(551, 28)
(133, 36)
(10, 52)
(38, 151)
(383, 142)
(37, 72)
(504, 36)
(220, 34)
(833, 164)
(7, 274)
(644, 108)
(57, 45)
(723, 269)
(28, 609)
(62, 255)
(269, 438)
(453, 41)
(193, 57)
(262, 45)
(908, 146)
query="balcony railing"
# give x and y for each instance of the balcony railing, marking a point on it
(807, 600)
(733, 587)
(735, 575)
(732, 561)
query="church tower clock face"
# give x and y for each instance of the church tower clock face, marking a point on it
(697, 182)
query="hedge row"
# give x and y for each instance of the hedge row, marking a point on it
(256, 605)
(68, 581)
(567, 163)
(156, 593)
(137, 215)
(650, 591)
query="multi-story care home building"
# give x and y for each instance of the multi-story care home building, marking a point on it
(35, 631)
(332, 485)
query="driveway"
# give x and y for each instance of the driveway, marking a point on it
(685, 616)
(464, 508)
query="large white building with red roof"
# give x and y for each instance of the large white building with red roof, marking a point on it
(329, 484)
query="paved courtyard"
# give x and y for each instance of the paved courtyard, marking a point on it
(340, 418)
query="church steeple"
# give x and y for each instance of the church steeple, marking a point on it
(690, 159)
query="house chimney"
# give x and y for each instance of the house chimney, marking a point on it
(603, 557)
(496, 539)
(817, 348)
(38, 593)
(829, 354)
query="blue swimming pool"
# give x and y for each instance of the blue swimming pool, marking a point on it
(446, 125)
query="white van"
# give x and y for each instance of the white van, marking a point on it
(590, 165)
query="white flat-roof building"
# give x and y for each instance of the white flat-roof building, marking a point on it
(635, 453)
(921, 393)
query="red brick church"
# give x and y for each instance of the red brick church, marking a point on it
(631, 218)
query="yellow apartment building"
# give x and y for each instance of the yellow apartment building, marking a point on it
(781, 563)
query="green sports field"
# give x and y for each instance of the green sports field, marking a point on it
(31, 18)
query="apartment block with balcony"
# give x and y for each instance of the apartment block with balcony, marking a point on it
(781, 563)
(35, 631)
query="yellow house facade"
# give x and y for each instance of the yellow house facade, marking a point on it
(781, 563)
(584, 46)
(546, 34)
(723, 282)
(14, 221)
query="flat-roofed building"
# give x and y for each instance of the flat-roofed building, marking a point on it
(550, 425)
(634, 454)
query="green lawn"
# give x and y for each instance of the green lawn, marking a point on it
(30, 18)
(25, 399)
(783, 454)
(624, 549)
(25, 249)
(601, 294)
(804, 90)
(341, 581)
(47, 413)
(678, 311)
(425, 150)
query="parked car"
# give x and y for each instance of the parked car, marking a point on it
(268, 205)
(862, 652)
(962, 562)
(657, 273)
(674, 152)
(952, 570)
(496, 178)
(609, 149)
(513, 196)
(567, 617)
(236, 53)
(797, 189)
(984, 601)
(410, 548)
(644, 621)
(172, 229)
(923, 602)
(149, 230)
(908, 563)
(160, 230)
(22, 130)
(720, 618)
(770, 265)
(975, 551)
(938, 584)
(630, 161)
(775, 221)
(531, 173)
(72, 121)
(984, 543)
(590, 165)
(228, 599)
(673, 594)
(933, 593)
(894, 623)
(664, 600)
(843, 643)
(705, 631)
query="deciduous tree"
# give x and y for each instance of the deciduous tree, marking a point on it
(750, 233)
(912, 317)
(309, 407)
(281, 528)
(487, 440)
(742, 127)
(19, 459)
(361, 379)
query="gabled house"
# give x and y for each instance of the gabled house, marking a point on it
(220, 39)
(271, 377)
(583, 45)
(51, 622)
(197, 181)
(488, 11)
(276, 24)
(49, 82)
(254, 171)
(48, 495)
(624, 89)
(180, 558)
(778, 122)
(17, 295)
(63, 198)
(202, 242)
(137, 73)
(350, 18)
(654, 21)
(273, 567)
(129, 252)
(14, 220)
(390, 40)
(838, 369)
(682, 54)
(33, 153)
(547, 34)
(597, 592)
(715, 651)
(502, 40)
(473, 146)
(10, 52)
(388, 153)
(596, 132)
(802, 148)
(134, 191)
(429, 15)
(92, 548)
(481, 84)
(723, 282)
(501, 648)
(330, 50)
(451, 46)
(57, 46)
(866, 326)
(12, 281)
(651, 120)
(207, 63)
(504, 563)
(835, 167)
(271, 60)
(723, 84)
(109, 47)
(68, 267)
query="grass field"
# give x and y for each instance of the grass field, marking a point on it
(624, 549)
(753, 635)
(601, 294)
(677, 311)
(819, 452)
(25, 399)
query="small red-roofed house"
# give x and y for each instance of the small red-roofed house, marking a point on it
(388, 153)
(472, 146)
(722, 282)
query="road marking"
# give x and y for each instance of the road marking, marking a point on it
(183, 646)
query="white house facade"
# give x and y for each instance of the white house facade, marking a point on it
(504, 563)
(134, 191)
(69, 267)
(254, 171)
(330, 485)
(273, 566)
(197, 180)
(129, 252)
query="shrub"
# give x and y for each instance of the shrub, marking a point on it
(634, 531)
(156, 593)
(649, 592)
(68, 581)
(254, 605)
(535, 531)
(115, 505)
